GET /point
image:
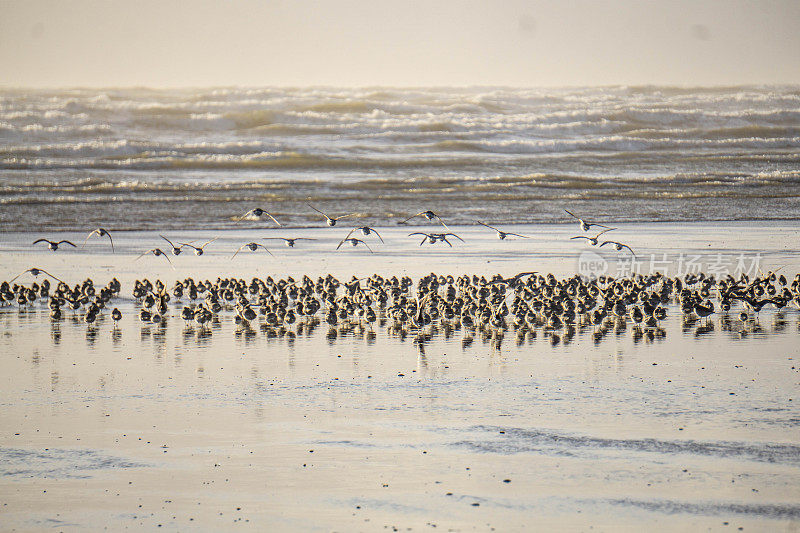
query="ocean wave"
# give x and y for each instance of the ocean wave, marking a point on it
(721, 152)
(38, 130)
(735, 133)
(250, 161)
(535, 186)
(617, 143)
(244, 109)
(138, 149)
(362, 151)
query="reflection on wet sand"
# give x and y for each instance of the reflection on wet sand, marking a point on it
(374, 405)
(526, 308)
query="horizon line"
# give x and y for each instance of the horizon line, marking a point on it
(4, 87)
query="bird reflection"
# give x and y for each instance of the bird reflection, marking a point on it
(91, 336)
(203, 336)
(55, 333)
(331, 335)
(704, 329)
(431, 309)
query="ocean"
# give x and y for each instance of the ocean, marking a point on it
(143, 159)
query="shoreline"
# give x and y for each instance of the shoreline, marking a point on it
(315, 225)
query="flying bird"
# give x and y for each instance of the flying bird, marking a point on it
(257, 212)
(365, 230)
(331, 221)
(100, 232)
(289, 242)
(443, 237)
(425, 237)
(35, 273)
(592, 240)
(618, 246)
(433, 238)
(512, 281)
(430, 215)
(176, 250)
(354, 242)
(500, 233)
(585, 225)
(53, 245)
(198, 250)
(252, 246)
(156, 252)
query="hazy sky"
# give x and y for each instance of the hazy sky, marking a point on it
(377, 42)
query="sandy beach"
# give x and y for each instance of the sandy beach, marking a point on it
(146, 426)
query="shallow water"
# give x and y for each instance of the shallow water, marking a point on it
(144, 425)
(693, 425)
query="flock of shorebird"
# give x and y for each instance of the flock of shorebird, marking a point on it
(176, 248)
(528, 300)
(525, 303)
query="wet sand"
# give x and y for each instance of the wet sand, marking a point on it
(144, 425)
(549, 249)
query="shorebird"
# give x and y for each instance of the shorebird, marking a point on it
(35, 273)
(198, 250)
(187, 314)
(592, 240)
(365, 230)
(52, 244)
(443, 237)
(430, 215)
(512, 281)
(585, 225)
(289, 242)
(156, 252)
(100, 232)
(618, 246)
(176, 250)
(354, 242)
(425, 237)
(331, 221)
(704, 310)
(502, 234)
(433, 238)
(253, 246)
(257, 212)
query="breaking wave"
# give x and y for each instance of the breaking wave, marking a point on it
(716, 152)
